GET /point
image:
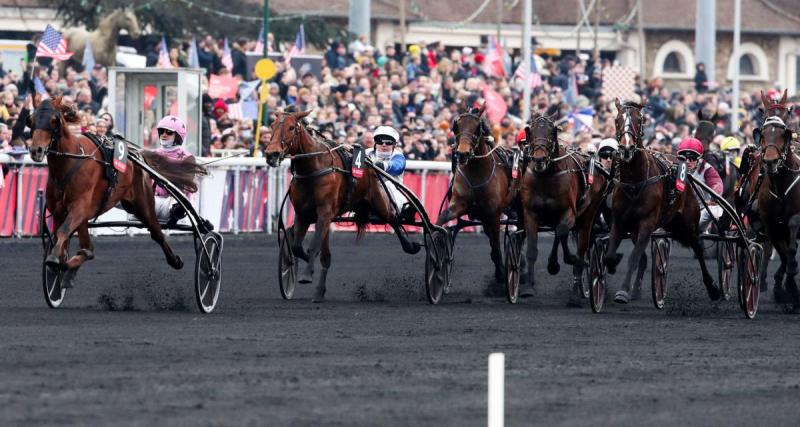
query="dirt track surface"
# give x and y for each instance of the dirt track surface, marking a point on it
(128, 346)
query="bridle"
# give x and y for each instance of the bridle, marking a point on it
(625, 151)
(474, 138)
(53, 146)
(540, 143)
(773, 167)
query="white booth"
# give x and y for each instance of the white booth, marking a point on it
(139, 97)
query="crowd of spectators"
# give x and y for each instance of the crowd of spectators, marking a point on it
(419, 92)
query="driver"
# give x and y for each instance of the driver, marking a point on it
(606, 151)
(388, 157)
(692, 150)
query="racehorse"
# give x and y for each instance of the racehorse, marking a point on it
(321, 190)
(641, 203)
(103, 39)
(556, 192)
(778, 198)
(78, 189)
(481, 182)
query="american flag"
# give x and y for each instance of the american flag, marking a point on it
(163, 55)
(227, 60)
(259, 48)
(235, 111)
(493, 64)
(53, 45)
(299, 46)
(535, 78)
(194, 60)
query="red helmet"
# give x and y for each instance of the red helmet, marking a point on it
(691, 144)
(521, 136)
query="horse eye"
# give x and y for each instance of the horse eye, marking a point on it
(291, 128)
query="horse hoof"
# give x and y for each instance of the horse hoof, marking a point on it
(86, 253)
(53, 262)
(636, 294)
(527, 291)
(319, 296)
(413, 248)
(570, 259)
(621, 297)
(553, 268)
(714, 293)
(305, 278)
(176, 263)
(68, 280)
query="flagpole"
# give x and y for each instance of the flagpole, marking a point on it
(263, 110)
(526, 60)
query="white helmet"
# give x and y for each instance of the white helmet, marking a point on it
(608, 143)
(386, 132)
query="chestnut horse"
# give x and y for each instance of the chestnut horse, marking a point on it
(320, 191)
(778, 198)
(78, 190)
(481, 182)
(641, 205)
(555, 192)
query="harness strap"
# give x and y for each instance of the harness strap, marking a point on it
(320, 172)
(633, 190)
(482, 184)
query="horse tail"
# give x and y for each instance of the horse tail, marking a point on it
(181, 173)
(361, 220)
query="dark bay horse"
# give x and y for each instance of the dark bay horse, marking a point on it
(481, 182)
(555, 192)
(641, 203)
(320, 191)
(778, 198)
(77, 189)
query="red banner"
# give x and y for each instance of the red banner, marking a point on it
(225, 87)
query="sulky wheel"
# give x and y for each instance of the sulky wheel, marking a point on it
(597, 274)
(208, 272)
(513, 264)
(749, 266)
(51, 280)
(437, 261)
(726, 261)
(659, 248)
(287, 263)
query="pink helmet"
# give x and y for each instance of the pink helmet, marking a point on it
(691, 144)
(521, 136)
(174, 124)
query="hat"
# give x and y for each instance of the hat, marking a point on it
(466, 50)
(691, 144)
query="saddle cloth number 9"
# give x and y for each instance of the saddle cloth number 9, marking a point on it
(120, 156)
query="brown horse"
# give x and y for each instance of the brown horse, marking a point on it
(778, 198)
(481, 182)
(321, 190)
(556, 193)
(641, 205)
(78, 190)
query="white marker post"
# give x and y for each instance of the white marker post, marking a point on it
(496, 413)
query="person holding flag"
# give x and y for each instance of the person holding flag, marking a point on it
(163, 55)
(298, 48)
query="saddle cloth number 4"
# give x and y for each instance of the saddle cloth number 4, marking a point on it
(120, 156)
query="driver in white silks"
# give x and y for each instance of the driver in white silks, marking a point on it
(388, 157)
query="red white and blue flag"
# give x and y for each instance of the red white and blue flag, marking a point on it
(299, 46)
(493, 64)
(53, 45)
(227, 59)
(259, 48)
(535, 79)
(163, 55)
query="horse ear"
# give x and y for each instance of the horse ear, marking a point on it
(785, 93)
(757, 136)
(618, 105)
(302, 114)
(765, 100)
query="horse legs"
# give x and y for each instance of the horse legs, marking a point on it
(781, 288)
(697, 247)
(491, 226)
(532, 232)
(299, 231)
(76, 217)
(454, 209)
(637, 284)
(612, 258)
(321, 231)
(325, 262)
(143, 206)
(85, 253)
(640, 244)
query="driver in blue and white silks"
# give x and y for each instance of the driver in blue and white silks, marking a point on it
(387, 156)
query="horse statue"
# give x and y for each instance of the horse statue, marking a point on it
(78, 188)
(557, 192)
(642, 203)
(321, 189)
(481, 183)
(103, 39)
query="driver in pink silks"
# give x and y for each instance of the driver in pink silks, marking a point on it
(692, 150)
(171, 134)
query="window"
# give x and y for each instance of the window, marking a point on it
(747, 66)
(672, 64)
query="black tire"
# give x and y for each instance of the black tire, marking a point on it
(208, 272)
(287, 264)
(513, 265)
(749, 288)
(659, 250)
(597, 274)
(436, 264)
(51, 281)
(726, 262)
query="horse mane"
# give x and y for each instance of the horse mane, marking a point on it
(180, 173)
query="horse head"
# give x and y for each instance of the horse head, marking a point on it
(129, 22)
(777, 109)
(470, 129)
(775, 140)
(285, 135)
(630, 129)
(48, 123)
(542, 137)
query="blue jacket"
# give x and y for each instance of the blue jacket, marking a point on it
(396, 164)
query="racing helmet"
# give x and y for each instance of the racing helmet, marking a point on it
(521, 136)
(384, 134)
(730, 143)
(174, 124)
(608, 144)
(692, 145)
